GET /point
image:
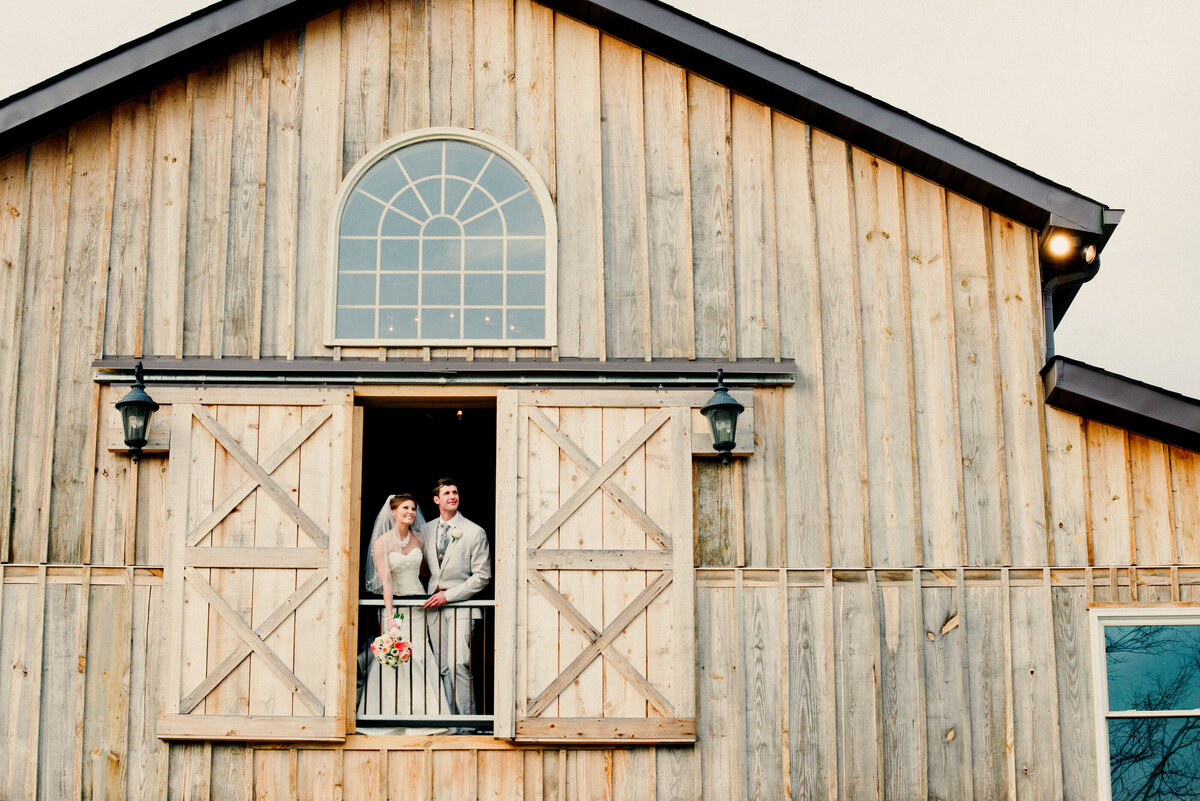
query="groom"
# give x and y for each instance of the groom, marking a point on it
(459, 568)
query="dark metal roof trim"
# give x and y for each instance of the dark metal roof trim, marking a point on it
(493, 372)
(862, 120)
(1118, 401)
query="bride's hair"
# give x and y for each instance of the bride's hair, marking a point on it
(399, 498)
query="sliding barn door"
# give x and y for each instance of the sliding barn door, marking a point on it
(257, 563)
(595, 584)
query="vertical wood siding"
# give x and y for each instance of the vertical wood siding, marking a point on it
(892, 591)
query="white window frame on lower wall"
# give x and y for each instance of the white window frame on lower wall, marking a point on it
(1125, 616)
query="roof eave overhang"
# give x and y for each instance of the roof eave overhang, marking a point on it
(1112, 399)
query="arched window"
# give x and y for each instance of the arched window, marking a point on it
(443, 237)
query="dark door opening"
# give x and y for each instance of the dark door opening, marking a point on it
(406, 449)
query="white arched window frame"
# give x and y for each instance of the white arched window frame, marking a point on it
(419, 299)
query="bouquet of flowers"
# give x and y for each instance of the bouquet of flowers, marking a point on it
(391, 650)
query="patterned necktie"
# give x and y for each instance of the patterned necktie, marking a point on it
(443, 538)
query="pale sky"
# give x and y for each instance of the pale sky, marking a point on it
(1102, 96)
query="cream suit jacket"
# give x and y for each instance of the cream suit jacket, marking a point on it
(466, 567)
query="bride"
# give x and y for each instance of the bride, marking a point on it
(394, 569)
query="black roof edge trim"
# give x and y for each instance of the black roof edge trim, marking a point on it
(1113, 399)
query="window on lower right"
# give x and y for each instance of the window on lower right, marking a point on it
(1147, 686)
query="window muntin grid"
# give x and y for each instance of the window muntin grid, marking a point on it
(444, 241)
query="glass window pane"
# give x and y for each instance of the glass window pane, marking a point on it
(1153, 667)
(441, 254)
(487, 225)
(526, 290)
(440, 323)
(485, 254)
(398, 225)
(523, 216)
(526, 254)
(456, 191)
(356, 323)
(442, 226)
(483, 324)
(398, 323)
(408, 203)
(431, 193)
(399, 254)
(383, 180)
(476, 203)
(465, 159)
(356, 290)
(526, 324)
(398, 290)
(502, 180)
(422, 159)
(1154, 758)
(356, 254)
(484, 290)
(360, 217)
(440, 290)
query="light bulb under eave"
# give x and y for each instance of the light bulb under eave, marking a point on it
(1059, 245)
(1089, 254)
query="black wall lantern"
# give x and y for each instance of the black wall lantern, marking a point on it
(136, 408)
(722, 411)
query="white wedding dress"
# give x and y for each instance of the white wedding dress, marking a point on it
(415, 687)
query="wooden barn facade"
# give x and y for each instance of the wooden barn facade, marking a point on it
(890, 592)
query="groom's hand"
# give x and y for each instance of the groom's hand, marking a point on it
(436, 600)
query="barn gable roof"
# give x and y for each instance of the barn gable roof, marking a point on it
(863, 121)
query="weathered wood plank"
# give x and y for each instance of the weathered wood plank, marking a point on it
(668, 210)
(1110, 524)
(709, 137)
(981, 433)
(990, 716)
(451, 49)
(233, 771)
(208, 211)
(623, 159)
(494, 62)
(717, 718)
(408, 80)
(243, 303)
(148, 762)
(947, 713)
(845, 438)
(273, 778)
(934, 373)
(764, 485)
(1150, 480)
(1066, 468)
(756, 283)
(41, 318)
(1185, 488)
(110, 505)
(320, 175)
(133, 126)
(363, 775)
(166, 251)
(1035, 696)
(761, 650)
(808, 725)
(718, 513)
(579, 176)
(60, 676)
(282, 202)
(887, 353)
(190, 775)
(366, 46)
(106, 699)
(859, 773)
(533, 35)
(805, 497)
(1019, 326)
(900, 676)
(19, 651)
(75, 419)
(14, 218)
(1075, 710)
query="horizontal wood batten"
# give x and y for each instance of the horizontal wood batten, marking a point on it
(542, 559)
(685, 372)
(257, 557)
(234, 727)
(607, 730)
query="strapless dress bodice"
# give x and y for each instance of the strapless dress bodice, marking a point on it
(406, 572)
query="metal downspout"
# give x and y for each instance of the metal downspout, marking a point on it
(1053, 285)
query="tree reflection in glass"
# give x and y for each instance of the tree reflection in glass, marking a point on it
(1153, 669)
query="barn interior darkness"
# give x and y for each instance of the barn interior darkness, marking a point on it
(406, 449)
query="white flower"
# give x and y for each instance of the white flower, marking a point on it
(455, 533)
